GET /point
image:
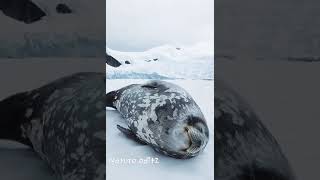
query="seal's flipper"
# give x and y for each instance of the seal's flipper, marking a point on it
(130, 134)
(111, 97)
(125, 131)
(13, 112)
(157, 85)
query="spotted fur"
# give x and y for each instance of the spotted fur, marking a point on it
(64, 122)
(155, 110)
(244, 148)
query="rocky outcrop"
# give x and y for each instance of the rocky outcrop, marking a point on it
(22, 10)
(63, 9)
(112, 61)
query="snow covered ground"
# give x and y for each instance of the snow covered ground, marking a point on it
(21, 163)
(118, 146)
(167, 61)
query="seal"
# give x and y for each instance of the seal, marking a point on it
(244, 148)
(162, 115)
(64, 122)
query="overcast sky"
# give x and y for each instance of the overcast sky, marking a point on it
(136, 25)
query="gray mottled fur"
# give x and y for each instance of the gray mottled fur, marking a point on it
(244, 148)
(152, 110)
(64, 122)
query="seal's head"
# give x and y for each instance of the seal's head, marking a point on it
(185, 138)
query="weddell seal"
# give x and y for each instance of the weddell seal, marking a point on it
(64, 122)
(162, 115)
(244, 148)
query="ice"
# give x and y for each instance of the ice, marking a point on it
(19, 162)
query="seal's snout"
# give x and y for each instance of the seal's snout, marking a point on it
(198, 140)
(189, 138)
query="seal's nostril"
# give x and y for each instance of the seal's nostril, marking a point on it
(198, 142)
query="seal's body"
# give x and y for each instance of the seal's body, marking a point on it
(64, 122)
(162, 115)
(244, 148)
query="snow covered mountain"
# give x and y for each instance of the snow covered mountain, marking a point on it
(167, 61)
(52, 28)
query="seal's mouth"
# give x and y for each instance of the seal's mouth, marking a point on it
(198, 141)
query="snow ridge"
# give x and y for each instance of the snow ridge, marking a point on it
(175, 62)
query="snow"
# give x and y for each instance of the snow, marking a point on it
(170, 61)
(19, 162)
(120, 147)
